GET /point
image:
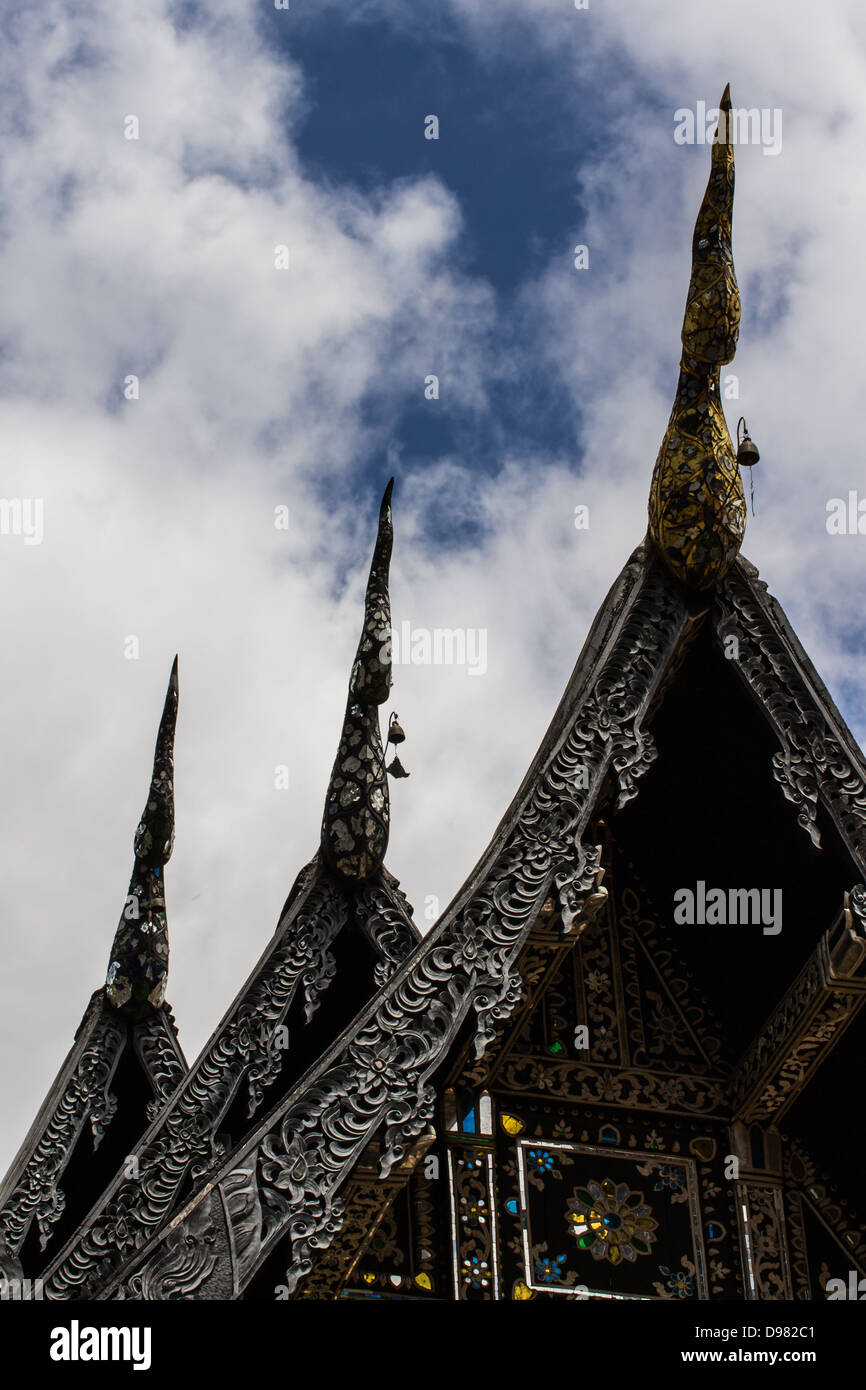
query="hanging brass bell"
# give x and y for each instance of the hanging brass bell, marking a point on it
(747, 449)
(395, 733)
(396, 768)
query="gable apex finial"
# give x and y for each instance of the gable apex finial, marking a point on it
(138, 966)
(355, 823)
(697, 508)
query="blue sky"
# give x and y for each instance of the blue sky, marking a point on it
(510, 148)
(258, 388)
(505, 153)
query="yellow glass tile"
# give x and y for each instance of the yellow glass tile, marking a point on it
(511, 1124)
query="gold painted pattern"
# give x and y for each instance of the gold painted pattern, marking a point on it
(697, 509)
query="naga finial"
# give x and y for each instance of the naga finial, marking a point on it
(138, 968)
(697, 510)
(355, 822)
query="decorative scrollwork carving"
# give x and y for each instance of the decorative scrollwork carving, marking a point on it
(628, 1087)
(155, 1041)
(304, 955)
(765, 1242)
(251, 1221)
(186, 1258)
(186, 1140)
(787, 1082)
(777, 1030)
(384, 918)
(84, 1098)
(816, 760)
(380, 1078)
(813, 1189)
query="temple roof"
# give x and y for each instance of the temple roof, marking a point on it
(687, 616)
(285, 1178)
(124, 1062)
(345, 928)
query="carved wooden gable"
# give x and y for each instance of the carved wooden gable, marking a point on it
(584, 1150)
(594, 1151)
(672, 701)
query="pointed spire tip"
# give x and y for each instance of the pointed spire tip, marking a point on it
(356, 819)
(697, 508)
(138, 965)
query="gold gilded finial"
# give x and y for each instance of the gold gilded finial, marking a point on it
(697, 510)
